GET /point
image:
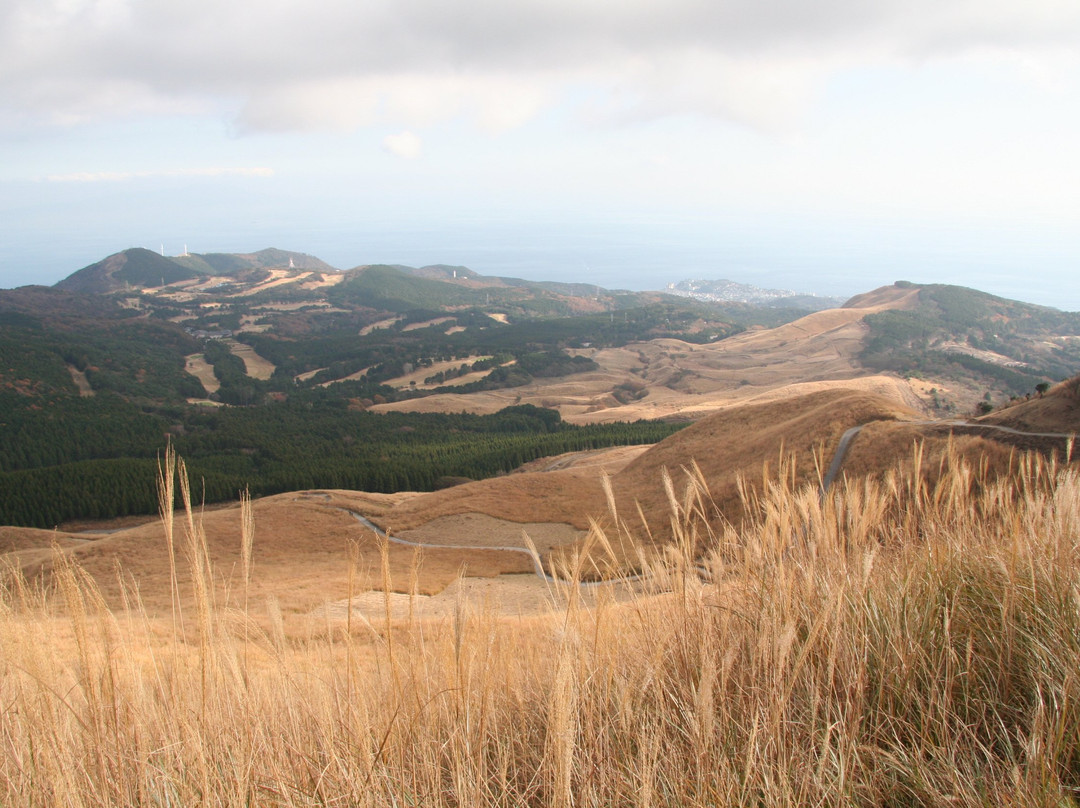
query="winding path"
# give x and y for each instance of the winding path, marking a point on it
(838, 457)
(849, 436)
(538, 567)
(830, 476)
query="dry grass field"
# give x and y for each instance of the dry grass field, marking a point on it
(367, 329)
(303, 279)
(912, 640)
(197, 366)
(417, 376)
(682, 379)
(909, 637)
(1057, 411)
(731, 448)
(308, 541)
(306, 544)
(303, 377)
(427, 323)
(257, 367)
(712, 626)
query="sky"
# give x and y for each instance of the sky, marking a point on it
(830, 146)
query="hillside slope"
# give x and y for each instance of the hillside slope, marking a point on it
(738, 441)
(139, 268)
(971, 344)
(240, 358)
(744, 442)
(136, 267)
(1056, 411)
(309, 545)
(662, 378)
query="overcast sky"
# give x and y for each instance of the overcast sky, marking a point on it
(826, 145)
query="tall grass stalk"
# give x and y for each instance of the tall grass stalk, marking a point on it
(166, 486)
(909, 640)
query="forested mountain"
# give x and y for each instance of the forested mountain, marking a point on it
(263, 369)
(964, 335)
(313, 325)
(139, 268)
(97, 373)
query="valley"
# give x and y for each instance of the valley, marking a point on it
(282, 534)
(465, 411)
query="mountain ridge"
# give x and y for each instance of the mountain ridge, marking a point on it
(956, 344)
(140, 268)
(137, 267)
(241, 366)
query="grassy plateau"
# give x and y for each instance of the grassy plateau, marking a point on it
(893, 642)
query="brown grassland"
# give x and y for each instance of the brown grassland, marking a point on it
(690, 380)
(257, 367)
(202, 370)
(909, 638)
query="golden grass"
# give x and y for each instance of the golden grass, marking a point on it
(427, 323)
(416, 377)
(367, 329)
(257, 367)
(302, 555)
(197, 366)
(692, 380)
(1057, 411)
(910, 640)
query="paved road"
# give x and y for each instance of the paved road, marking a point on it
(850, 435)
(838, 456)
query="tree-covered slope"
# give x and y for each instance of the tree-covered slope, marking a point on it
(1003, 346)
(390, 289)
(136, 267)
(96, 458)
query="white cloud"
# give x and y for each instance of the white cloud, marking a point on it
(337, 104)
(404, 144)
(120, 176)
(492, 103)
(339, 64)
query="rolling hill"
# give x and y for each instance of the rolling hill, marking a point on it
(973, 339)
(718, 468)
(833, 586)
(139, 268)
(134, 268)
(252, 364)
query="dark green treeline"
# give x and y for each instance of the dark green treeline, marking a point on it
(97, 459)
